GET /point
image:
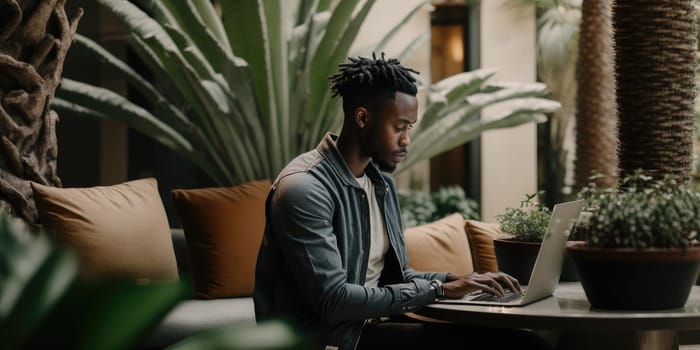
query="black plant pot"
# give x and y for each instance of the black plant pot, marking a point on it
(636, 279)
(568, 271)
(517, 259)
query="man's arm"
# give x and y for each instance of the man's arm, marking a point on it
(454, 286)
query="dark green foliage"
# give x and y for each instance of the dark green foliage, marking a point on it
(419, 207)
(527, 223)
(644, 212)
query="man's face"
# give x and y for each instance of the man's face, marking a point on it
(387, 135)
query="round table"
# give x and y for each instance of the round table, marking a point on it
(568, 321)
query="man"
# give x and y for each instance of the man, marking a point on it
(333, 259)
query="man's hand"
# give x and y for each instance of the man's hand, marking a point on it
(490, 282)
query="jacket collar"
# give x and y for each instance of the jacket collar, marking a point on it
(327, 148)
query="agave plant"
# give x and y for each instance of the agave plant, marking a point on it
(242, 85)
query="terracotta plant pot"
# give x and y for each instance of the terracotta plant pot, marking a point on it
(517, 259)
(636, 279)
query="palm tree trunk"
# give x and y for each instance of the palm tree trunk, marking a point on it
(34, 39)
(655, 46)
(596, 116)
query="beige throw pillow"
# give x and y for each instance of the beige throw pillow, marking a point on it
(119, 230)
(440, 246)
(481, 236)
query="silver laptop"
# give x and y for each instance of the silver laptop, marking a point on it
(547, 268)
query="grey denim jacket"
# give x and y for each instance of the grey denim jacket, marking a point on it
(313, 259)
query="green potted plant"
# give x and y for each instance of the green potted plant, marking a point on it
(524, 228)
(641, 236)
(420, 207)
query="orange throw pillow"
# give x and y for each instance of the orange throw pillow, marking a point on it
(439, 246)
(120, 230)
(481, 236)
(223, 229)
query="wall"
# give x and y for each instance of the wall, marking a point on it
(509, 156)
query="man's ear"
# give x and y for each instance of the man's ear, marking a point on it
(361, 116)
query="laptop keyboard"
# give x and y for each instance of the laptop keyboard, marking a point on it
(509, 296)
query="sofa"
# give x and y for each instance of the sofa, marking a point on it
(123, 230)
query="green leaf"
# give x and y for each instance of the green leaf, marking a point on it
(323, 63)
(327, 114)
(34, 275)
(199, 37)
(464, 124)
(279, 73)
(249, 17)
(117, 107)
(194, 57)
(139, 22)
(108, 314)
(326, 5)
(166, 84)
(153, 35)
(445, 96)
(157, 10)
(303, 45)
(212, 21)
(304, 10)
(166, 111)
(217, 126)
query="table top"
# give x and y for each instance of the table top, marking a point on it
(569, 309)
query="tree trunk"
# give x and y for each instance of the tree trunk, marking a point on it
(596, 114)
(655, 48)
(34, 39)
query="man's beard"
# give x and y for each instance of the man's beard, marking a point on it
(385, 167)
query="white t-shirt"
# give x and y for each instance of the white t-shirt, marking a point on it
(379, 240)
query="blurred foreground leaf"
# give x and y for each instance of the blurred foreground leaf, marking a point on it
(108, 314)
(44, 304)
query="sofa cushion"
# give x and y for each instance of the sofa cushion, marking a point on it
(223, 230)
(481, 236)
(440, 246)
(119, 230)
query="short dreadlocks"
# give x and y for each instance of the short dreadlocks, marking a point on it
(371, 80)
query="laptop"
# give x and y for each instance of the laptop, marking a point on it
(548, 265)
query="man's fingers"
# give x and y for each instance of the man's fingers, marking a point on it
(510, 282)
(499, 288)
(507, 280)
(515, 282)
(490, 285)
